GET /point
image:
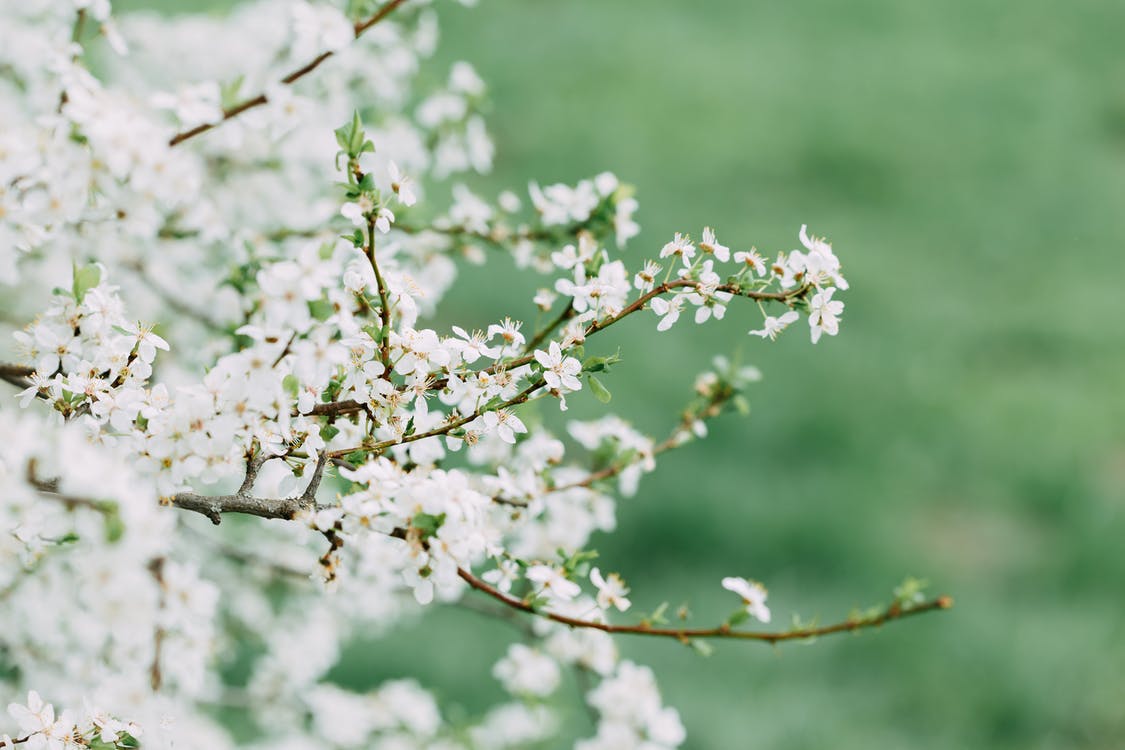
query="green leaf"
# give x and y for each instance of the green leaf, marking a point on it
(344, 137)
(327, 432)
(492, 404)
(114, 526)
(85, 279)
(738, 618)
(357, 135)
(911, 591)
(703, 648)
(290, 383)
(574, 565)
(228, 92)
(601, 393)
(427, 523)
(373, 330)
(321, 309)
(601, 364)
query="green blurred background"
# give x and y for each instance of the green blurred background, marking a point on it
(967, 160)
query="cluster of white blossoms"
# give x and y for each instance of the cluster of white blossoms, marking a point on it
(294, 268)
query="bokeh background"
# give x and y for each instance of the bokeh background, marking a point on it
(967, 160)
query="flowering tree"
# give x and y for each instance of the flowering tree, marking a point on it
(297, 266)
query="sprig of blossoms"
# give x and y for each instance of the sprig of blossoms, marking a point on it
(39, 727)
(297, 371)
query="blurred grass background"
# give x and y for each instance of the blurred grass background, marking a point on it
(967, 160)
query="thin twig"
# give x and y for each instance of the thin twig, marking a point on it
(341, 408)
(156, 676)
(520, 398)
(684, 635)
(289, 80)
(15, 374)
(385, 307)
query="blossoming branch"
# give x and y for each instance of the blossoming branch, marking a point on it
(224, 243)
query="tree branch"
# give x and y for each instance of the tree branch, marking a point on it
(341, 408)
(289, 80)
(17, 375)
(520, 398)
(384, 304)
(685, 635)
(286, 508)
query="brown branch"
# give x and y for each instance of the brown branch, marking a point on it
(684, 635)
(644, 299)
(17, 375)
(337, 408)
(674, 440)
(286, 508)
(285, 350)
(384, 304)
(289, 80)
(341, 408)
(445, 429)
(156, 676)
(668, 286)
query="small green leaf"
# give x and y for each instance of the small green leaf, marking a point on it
(601, 393)
(357, 135)
(911, 591)
(738, 618)
(344, 135)
(492, 404)
(114, 526)
(601, 364)
(427, 523)
(321, 309)
(228, 92)
(85, 279)
(327, 432)
(703, 648)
